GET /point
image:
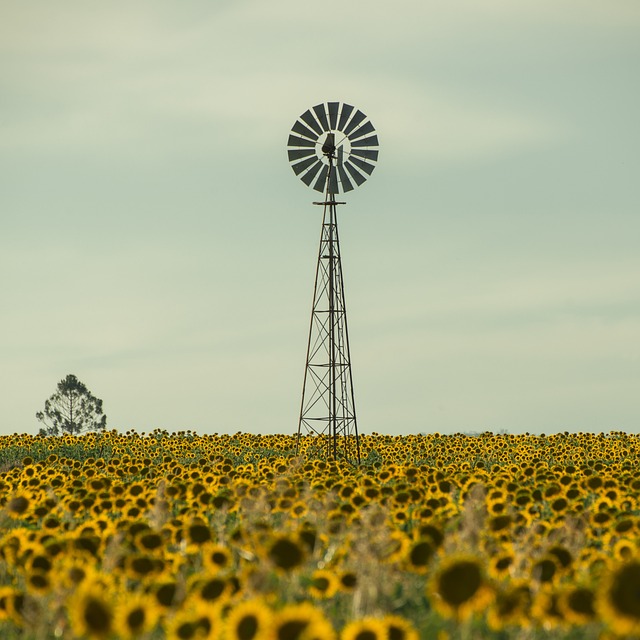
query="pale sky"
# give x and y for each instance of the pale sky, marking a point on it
(155, 242)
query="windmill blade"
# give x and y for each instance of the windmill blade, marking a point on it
(298, 127)
(321, 113)
(344, 179)
(366, 142)
(340, 155)
(358, 177)
(367, 127)
(305, 164)
(361, 164)
(347, 109)
(296, 141)
(308, 177)
(369, 154)
(321, 182)
(297, 154)
(307, 117)
(333, 114)
(355, 121)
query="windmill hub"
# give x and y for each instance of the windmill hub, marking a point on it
(332, 148)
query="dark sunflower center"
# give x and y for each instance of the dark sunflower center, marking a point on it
(321, 583)
(625, 590)
(166, 593)
(292, 629)
(421, 554)
(581, 601)
(199, 533)
(507, 603)
(286, 554)
(247, 627)
(135, 619)
(18, 505)
(213, 589)
(459, 583)
(97, 616)
(396, 633)
(186, 631)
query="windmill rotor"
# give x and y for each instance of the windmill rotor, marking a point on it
(333, 141)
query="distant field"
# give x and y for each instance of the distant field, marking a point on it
(186, 536)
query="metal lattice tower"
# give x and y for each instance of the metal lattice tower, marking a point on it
(330, 146)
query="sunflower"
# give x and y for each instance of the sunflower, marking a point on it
(510, 607)
(366, 629)
(38, 582)
(624, 549)
(71, 572)
(5, 596)
(249, 620)
(149, 541)
(399, 629)
(51, 523)
(559, 505)
(458, 588)
(12, 605)
(496, 506)
(216, 557)
(302, 622)
(500, 565)
(299, 509)
(324, 584)
(625, 525)
(90, 613)
(135, 615)
(618, 599)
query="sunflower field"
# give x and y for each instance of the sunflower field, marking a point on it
(237, 537)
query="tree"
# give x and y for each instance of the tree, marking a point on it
(72, 409)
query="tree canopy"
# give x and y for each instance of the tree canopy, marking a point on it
(72, 409)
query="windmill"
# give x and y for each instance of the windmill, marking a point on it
(332, 148)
